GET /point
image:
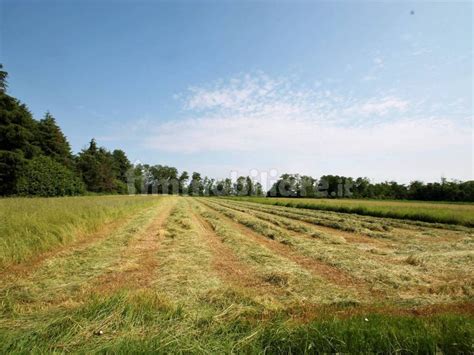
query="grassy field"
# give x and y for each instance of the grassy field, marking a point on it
(433, 212)
(209, 275)
(32, 226)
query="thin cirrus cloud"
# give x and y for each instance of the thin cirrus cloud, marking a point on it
(257, 113)
(377, 107)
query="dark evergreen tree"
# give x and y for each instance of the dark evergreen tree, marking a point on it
(96, 166)
(18, 132)
(18, 129)
(3, 80)
(53, 142)
(121, 165)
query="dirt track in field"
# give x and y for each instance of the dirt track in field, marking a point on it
(227, 265)
(138, 263)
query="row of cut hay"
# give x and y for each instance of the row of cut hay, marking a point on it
(264, 228)
(443, 214)
(370, 222)
(392, 271)
(331, 220)
(275, 267)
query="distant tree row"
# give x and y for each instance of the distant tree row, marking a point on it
(333, 186)
(159, 179)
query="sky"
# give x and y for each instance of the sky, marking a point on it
(357, 88)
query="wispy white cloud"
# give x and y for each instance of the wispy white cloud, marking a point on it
(238, 94)
(369, 77)
(379, 106)
(378, 62)
(260, 97)
(267, 118)
(420, 51)
(376, 66)
(417, 45)
(255, 114)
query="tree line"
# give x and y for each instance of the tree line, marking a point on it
(159, 179)
(333, 186)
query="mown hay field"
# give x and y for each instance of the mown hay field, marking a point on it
(433, 212)
(211, 275)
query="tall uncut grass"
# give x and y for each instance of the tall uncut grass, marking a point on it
(433, 212)
(30, 226)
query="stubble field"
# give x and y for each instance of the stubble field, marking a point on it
(209, 275)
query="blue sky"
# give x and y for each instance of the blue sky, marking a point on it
(347, 87)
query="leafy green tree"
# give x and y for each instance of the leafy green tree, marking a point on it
(165, 179)
(361, 187)
(286, 186)
(183, 179)
(196, 187)
(306, 186)
(258, 189)
(218, 188)
(249, 186)
(137, 180)
(329, 184)
(43, 176)
(208, 184)
(240, 186)
(466, 192)
(228, 187)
